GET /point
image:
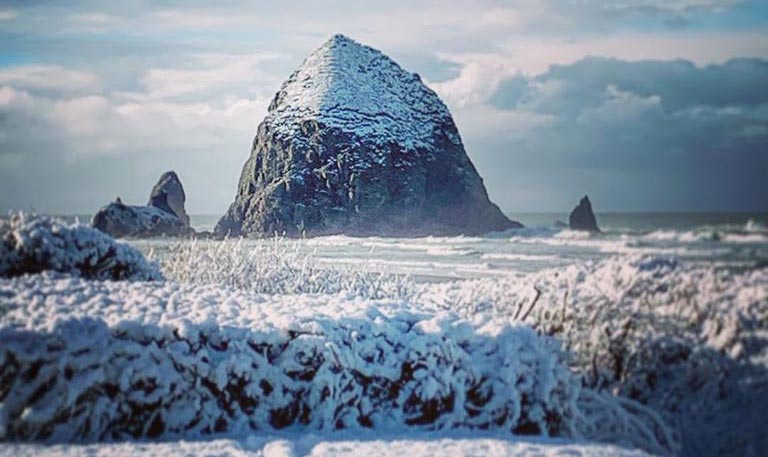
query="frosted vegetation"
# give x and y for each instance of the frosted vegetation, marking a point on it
(276, 267)
(655, 353)
(196, 360)
(31, 244)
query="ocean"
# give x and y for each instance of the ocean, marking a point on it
(727, 239)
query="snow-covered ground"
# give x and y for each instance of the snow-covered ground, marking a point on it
(657, 341)
(459, 444)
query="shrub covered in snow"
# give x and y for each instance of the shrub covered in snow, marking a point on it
(274, 266)
(683, 339)
(150, 359)
(31, 244)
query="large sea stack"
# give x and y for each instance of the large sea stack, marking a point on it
(353, 144)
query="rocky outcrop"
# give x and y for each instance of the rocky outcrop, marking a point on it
(121, 221)
(168, 195)
(582, 217)
(354, 144)
(164, 216)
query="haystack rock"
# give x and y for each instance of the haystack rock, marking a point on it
(163, 216)
(353, 144)
(582, 217)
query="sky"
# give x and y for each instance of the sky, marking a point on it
(645, 105)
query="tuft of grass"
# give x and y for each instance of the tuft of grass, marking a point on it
(274, 266)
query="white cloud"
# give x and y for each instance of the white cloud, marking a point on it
(209, 71)
(481, 73)
(477, 81)
(50, 77)
(534, 56)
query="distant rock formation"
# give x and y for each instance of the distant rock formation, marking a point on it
(582, 217)
(163, 216)
(354, 144)
(168, 195)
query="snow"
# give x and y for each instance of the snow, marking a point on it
(122, 359)
(681, 338)
(31, 243)
(341, 444)
(358, 90)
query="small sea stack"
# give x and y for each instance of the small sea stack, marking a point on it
(583, 218)
(168, 195)
(164, 215)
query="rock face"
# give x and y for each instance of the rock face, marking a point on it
(163, 216)
(582, 217)
(354, 144)
(168, 195)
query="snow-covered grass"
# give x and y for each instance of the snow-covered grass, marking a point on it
(275, 266)
(34, 243)
(87, 360)
(689, 341)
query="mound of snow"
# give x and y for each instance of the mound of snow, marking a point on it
(84, 360)
(31, 244)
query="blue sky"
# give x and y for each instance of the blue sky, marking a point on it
(643, 104)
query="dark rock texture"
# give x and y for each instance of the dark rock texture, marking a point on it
(121, 220)
(354, 144)
(168, 195)
(582, 217)
(164, 216)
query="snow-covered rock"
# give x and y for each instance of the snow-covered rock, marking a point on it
(101, 360)
(168, 195)
(31, 244)
(352, 143)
